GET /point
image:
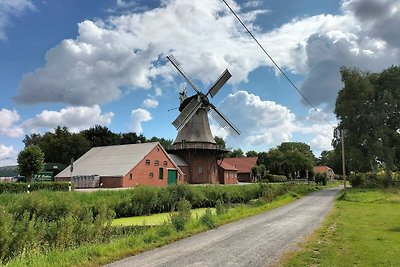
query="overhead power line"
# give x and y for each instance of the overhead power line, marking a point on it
(276, 65)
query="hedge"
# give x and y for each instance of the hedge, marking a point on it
(23, 187)
(272, 178)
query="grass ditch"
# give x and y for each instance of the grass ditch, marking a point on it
(132, 240)
(363, 229)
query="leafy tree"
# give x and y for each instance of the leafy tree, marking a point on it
(368, 107)
(101, 136)
(164, 142)
(251, 153)
(59, 146)
(220, 142)
(332, 158)
(30, 161)
(262, 158)
(132, 138)
(236, 153)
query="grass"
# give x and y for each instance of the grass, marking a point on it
(98, 254)
(362, 230)
(155, 219)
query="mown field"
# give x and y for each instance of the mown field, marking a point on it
(362, 230)
(69, 229)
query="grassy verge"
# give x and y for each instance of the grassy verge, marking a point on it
(97, 254)
(362, 230)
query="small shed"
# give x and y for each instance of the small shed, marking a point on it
(324, 170)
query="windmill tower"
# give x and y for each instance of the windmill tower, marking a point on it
(194, 142)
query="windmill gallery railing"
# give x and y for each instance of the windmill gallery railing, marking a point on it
(197, 146)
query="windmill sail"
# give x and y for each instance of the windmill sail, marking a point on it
(223, 121)
(225, 76)
(187, 113)
(174, 62)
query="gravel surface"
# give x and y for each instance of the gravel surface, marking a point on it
(255, 241)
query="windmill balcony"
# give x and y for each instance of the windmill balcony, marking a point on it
(198, 146)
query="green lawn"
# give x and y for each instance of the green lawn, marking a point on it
(155, 219)
(362, 230)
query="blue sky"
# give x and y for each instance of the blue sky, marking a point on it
(82, 63)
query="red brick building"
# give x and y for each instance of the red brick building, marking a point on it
(243, 166)
(227, 174)
(126, 166)
(324, 169)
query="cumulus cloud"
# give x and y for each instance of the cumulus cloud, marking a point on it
(8, 120)
(150, 103)
(138, 116)
(75, 118)
(128, 51)
(263, 124)
(12, 8)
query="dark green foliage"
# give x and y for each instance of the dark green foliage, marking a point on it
(221, 207)
(208, 219)
(23, 187)
(182, 216)
(357, 180)
(320, 178)
(46, 220)
(272, 178)
(30, 161)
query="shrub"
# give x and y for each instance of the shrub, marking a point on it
(23, 187)
(357, 180)
(221, 208)
(320, 178)
(182, 216)
(207, 219)
(272, 178)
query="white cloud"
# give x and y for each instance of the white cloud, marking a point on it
(12, 8)
(128, 51)
(322, 136)
(138, 116)
(150, 103)
(75, 118)
(8, 156)
(8, 119)
(264, 124)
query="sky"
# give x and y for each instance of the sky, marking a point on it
(80, 63)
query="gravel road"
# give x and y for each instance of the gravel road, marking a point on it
(255, 241)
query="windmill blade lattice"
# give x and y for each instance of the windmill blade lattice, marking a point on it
(223, 121)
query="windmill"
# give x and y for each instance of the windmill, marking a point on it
(195, 142)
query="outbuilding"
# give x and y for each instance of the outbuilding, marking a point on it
(243, 166)
(126, 166)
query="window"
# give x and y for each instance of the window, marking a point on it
(165, 163)
(200, 169)
(130, 176)
(156, 163)
(160, 173)
(147, 162)
(151, 175)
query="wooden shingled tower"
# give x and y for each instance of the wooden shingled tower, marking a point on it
(194, 142)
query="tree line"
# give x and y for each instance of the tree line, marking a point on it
(62, 145)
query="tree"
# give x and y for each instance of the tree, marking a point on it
(236, 153)
(331, 158)
(220, 142)
(251, 153)
(164, 142)
(132, 138)
(101, 136)
(368, 108)
(30, 161)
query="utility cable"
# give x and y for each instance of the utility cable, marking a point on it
(276, 65)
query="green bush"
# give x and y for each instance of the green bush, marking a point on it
(272, 178)
(320, 178)
(23, 187)
(182, 216)
(208, 219)
(358, 180)
(221, 207)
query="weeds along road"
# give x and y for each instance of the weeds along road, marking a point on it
(255, 241)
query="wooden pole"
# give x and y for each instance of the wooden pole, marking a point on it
(343, 163)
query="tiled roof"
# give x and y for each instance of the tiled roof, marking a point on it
(109, 160)
(243, 165)
(321, 169)
(226, 166)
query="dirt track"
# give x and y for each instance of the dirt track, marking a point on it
(256, 241)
